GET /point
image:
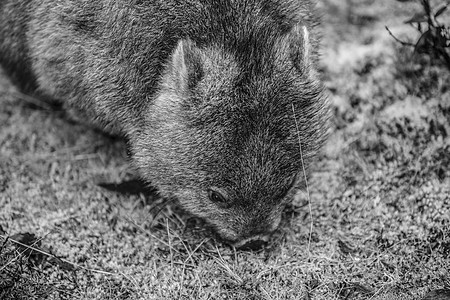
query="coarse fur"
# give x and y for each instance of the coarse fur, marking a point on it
(202, 90)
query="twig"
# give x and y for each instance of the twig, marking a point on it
(191, 253)
(170, 246)
(398, 40)
(221, 262)
(32, 100)
(20, 253)
(306, 180)
(74, 265)
(77, 266)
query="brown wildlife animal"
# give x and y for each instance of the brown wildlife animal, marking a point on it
(219, 100)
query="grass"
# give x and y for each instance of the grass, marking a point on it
(380, 195)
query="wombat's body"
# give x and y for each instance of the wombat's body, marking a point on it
(204, 91)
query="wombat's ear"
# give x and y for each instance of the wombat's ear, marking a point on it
(300, 47)
(185, 67)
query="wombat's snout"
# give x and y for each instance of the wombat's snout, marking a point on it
(252, 235)
(255, 243)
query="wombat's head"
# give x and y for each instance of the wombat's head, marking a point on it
(223, 136)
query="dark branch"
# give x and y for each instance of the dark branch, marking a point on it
(398, 40)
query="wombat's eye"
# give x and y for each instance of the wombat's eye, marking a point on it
(216, 196)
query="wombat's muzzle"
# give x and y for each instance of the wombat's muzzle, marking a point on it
(253, 243)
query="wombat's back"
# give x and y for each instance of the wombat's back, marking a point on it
(94, 55)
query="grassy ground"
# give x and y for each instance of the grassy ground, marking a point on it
(380, 194)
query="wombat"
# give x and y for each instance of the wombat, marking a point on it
(219, 100)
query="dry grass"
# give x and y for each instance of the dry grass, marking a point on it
(379, 195)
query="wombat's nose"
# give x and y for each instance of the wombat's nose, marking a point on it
(252, 245)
